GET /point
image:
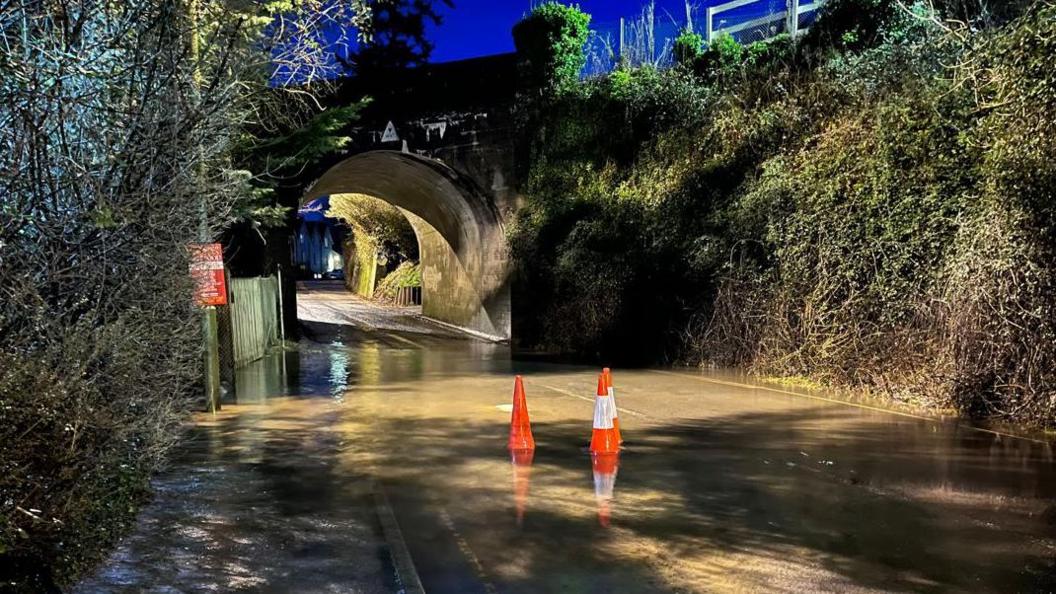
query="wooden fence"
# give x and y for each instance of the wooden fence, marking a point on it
(253, 317)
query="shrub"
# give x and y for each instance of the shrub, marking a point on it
(374, 217)
(1018, 95)
(723, 57)
(688, 47)
(856, 226)
(851, 25)
(550, 42)
(1001, 286)
(407, 274)
(908, 247)
(102, 348)
(118, 146)
(776, 52)
(726, 58)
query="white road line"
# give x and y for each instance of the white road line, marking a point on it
(402, 339)
(467, 552)
(591, 400)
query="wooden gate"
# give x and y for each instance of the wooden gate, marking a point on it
(254, 318)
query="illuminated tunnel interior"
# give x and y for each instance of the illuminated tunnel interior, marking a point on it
(460, 235)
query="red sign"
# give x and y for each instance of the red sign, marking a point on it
(207, 270)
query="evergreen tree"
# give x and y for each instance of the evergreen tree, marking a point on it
(398, 37)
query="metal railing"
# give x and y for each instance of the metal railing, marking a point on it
(406, 296)
(646, 40)
(740, 20)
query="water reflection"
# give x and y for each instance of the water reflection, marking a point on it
(605, 467)
(521, 460)
(339, 370)
(791, 494)
(339, 359)
(255, 382)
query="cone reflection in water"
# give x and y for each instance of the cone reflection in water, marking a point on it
(604, 466)
(522, 476)
(615, 410)
(603, 437)
(520, 427)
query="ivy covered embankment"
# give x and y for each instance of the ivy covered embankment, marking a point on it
(868, 207)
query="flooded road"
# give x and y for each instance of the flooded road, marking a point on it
(721, 486)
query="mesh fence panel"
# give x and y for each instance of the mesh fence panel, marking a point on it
(648, 38)
(226, 348)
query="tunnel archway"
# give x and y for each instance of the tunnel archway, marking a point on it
(460, 234)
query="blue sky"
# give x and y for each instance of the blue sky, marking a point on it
(475, 28)
(482, 27)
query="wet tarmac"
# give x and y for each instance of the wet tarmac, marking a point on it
(721, 486)
(328, 302)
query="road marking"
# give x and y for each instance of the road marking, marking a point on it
(459, 329)
(591, 400)
(402, 562)
(843, 402)
(402, 339)
(467, 552)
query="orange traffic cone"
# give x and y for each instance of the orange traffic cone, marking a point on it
(522, 474)
(520, 427)
(615, 410)
(604, 467)
(604, 438)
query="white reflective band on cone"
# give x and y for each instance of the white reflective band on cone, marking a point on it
(612, 394)
(603, 413)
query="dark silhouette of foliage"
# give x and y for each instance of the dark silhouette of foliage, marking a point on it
(550, 42)
(398, 37)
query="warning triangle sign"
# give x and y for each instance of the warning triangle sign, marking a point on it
(390, 134)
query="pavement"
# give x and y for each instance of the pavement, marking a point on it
(253, 502)
(329, 302)
(724, 485)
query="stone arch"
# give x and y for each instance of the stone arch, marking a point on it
(460, 233)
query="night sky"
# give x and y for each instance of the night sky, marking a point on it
(482, 27)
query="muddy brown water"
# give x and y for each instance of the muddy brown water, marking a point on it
(722, 486)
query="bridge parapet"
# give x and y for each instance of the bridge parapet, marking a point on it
(459, 113)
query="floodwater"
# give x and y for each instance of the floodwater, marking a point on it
(721, 486)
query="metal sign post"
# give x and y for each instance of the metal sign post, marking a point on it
(210, 290)
(212, 359)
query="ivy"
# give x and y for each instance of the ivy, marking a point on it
(550, 44)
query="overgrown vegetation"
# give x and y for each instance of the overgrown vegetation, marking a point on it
(119, 123)
(869, 206)
(381, 235)
(550, 46)
(688, 47)
(407, 274)
(371, 216)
